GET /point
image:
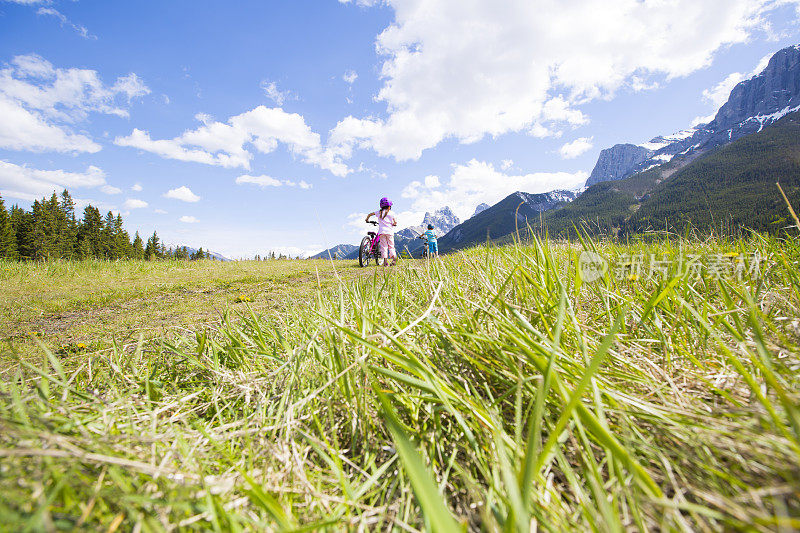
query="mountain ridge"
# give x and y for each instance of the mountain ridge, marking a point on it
(728, 187)
(752, 104)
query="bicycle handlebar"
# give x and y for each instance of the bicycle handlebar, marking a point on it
(373, 223)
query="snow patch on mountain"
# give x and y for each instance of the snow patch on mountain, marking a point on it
(662, 141)
(764, 120)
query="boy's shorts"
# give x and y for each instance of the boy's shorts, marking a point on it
(433, 247)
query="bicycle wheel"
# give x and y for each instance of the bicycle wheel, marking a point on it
(363, 251)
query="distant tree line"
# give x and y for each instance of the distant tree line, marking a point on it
(50, 230)
(273, 256)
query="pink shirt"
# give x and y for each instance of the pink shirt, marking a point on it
(385, 224)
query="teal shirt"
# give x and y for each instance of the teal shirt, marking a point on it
(431, 236)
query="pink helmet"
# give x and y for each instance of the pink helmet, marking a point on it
(385, 202)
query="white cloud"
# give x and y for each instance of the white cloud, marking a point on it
(109, 189)
(432, 181)
(82, 31)
(53, 12)
(261, 181)
(28, 183)
(81, 203)
(466, 70)
(183, 194)
(270, 88)
(478, 182)
(38, 100)
(134, 203)
(412, 190)
(578, 147)
(268, 181)
(205, 118)
(762, 64)
(505, 164)
(350, 77)
(361, 3)
(21, 129)
(224, 144)
(186, 219)
(159, 211)
(416, 189)
(67, 94)
(137, 187)
(172, 149)
(718, 95)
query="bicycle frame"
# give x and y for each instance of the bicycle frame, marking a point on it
(364, 253)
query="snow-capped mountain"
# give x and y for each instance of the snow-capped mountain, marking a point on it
(752, 104)
(443, 220)
(480, 209)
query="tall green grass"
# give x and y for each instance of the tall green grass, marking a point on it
(493, 389)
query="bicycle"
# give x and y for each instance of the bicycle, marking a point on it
(369, 248)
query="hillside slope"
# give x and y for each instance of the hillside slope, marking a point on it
(733, 185)
(340, 251)
(515, 210)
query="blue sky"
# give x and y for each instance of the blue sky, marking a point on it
(252, 126)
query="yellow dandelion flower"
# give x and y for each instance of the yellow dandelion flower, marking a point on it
(732, 254)
(633, 277)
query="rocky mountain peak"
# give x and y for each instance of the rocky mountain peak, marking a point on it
(752, 104)
(776, 88)
(481, 208)
(443, 220)
(614, 163)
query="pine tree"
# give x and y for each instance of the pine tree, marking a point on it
(122, 241)
(90, 234)
(41, 236)
(69, 229)
(50, 231)
(153, 248)
(8, 241)
(22, 223)
(137, 247)
(107, 236)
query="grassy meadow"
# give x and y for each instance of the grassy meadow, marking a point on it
(494, 389)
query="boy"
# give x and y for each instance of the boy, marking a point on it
(433, 248)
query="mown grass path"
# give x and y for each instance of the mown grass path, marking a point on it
(97, 303)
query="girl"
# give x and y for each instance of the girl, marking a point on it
(386, 224)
